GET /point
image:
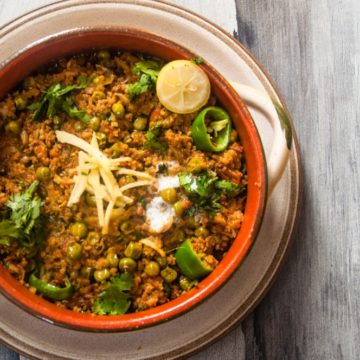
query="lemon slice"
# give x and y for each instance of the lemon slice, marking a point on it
(182, 87)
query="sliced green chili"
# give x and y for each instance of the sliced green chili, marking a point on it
(51, 291)
(190, 263)
(212, 135)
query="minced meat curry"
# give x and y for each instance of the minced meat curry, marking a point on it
(111, 200)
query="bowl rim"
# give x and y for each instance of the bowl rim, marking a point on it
(50, 312)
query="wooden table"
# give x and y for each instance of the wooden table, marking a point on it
(312, 50)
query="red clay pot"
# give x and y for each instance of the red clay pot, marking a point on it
(135, 40)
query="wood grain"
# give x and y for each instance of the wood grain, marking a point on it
(312, 51)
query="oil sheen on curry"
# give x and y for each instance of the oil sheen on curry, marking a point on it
(123, 182)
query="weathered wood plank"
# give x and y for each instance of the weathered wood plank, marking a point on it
(311, 48)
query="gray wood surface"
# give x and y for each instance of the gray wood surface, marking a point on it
(311, 48)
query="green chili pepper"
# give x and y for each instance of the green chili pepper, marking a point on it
(211, 136)
(189, 262)
(51, 291)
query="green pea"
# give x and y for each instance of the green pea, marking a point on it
(201, 232)
(43, 173)
(94, 123)
(74, 251)
(98, 95)
(57, 121)
(152, 268)
(20, 102)
(101, 275)
(140, 123)
(79, 229)
(190, 222)
(87, 272)
(79, 126)
(93, 238)
(13, 127)
(178, 236)
(169, 195)
(90, 199)
(127, 227)
(118, 109)
(97, 80)
(116, 150)
(127, 265)
(112, 259)
(179, 208)
(185, 283)
(169, 274)
(233, 135)
(101, 139)
(162, 261)
(133, 250)
(103, 55)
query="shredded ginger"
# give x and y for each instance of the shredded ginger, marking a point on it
(94, 174)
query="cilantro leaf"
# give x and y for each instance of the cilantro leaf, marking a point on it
(54, 101)
(25, 208)
(152, 140)
(148, 70)
(141, 86)
(9, 230)
(24, 222)
(228, 188)
(198, 60)
(124, 282)
(148, 67)
(162, 169)
(205, 191)
(74, 112)
(201, 191)
(115, 300)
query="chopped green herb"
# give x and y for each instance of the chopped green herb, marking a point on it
(148, 70)
(141, 86)
(152, 140)
(8, 230)
(74, 112)
(167, 289)
(54, 101)
(23, 223)
(25, 208)
(162, 169)
(205, 191)
(228, 188)
(198, 60)
(142, 203)
(115, 300)
(148, 67)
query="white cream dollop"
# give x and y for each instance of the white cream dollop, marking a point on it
(167, 182)
(160, 215)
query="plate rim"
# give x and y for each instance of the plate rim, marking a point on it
(291, 224)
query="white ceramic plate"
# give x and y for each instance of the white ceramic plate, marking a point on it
(218, 314)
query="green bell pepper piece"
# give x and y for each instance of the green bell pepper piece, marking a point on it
(51, 291)
(189, 262)
(221, 126)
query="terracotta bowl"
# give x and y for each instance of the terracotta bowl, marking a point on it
(80, 40)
